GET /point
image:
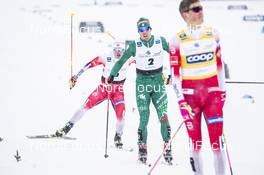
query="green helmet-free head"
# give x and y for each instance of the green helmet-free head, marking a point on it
(143, 24)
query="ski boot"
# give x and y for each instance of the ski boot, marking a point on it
(117, 141)
(63, 131)
(167, 153)
(142, 153)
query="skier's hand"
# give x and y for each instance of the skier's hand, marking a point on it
(73, 81)
(223, 95)
(186, 110)
(110, 79)
(166, 79)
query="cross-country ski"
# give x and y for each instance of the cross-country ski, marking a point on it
(50, 136)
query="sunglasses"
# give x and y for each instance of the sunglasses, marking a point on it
(143, 29)
(118, 49)
(196, 9)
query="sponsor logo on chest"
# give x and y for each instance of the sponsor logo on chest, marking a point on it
(139, 44)
(109, 59)
(198, 58)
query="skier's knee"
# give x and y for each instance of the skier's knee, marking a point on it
(120, 115)
(164, 119)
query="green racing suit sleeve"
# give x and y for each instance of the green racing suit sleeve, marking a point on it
(165, 44)
(129, 52)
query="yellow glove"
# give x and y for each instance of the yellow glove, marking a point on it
(166, 79)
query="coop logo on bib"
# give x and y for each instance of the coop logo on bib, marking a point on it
(197, 58)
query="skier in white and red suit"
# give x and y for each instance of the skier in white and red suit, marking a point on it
(197, 66)
(113, 91)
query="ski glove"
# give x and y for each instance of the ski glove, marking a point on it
(186, 111)
(110, 79)
(223, 95)
(166, 79)
(73, 81)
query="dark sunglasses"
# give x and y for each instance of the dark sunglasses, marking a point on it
(143, 29)
(196, 9)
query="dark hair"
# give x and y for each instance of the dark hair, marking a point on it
(185, 5)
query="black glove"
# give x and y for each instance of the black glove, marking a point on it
(110, 79)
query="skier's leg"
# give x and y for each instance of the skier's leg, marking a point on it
(143, 102)
(219, 162)
(196, 162)
(214, 117)
(160, 102)
(195, 144)
(195, 135)
(97, 96)
(117, 99)
(78, 114)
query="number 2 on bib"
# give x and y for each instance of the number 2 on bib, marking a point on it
(151, 61)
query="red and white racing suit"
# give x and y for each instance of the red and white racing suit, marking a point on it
(113, 91)
(195, 58)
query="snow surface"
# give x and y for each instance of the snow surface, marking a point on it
(35, 98)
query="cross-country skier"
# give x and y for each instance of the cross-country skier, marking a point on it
(198, 79)
(113, 91)
(148, 53)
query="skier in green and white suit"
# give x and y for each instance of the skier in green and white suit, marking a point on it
(150, 67)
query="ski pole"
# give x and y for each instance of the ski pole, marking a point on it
(245, 82)
(228, 157)
(109, 34)
(72, 14)
(107, 120)
(165, 148)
